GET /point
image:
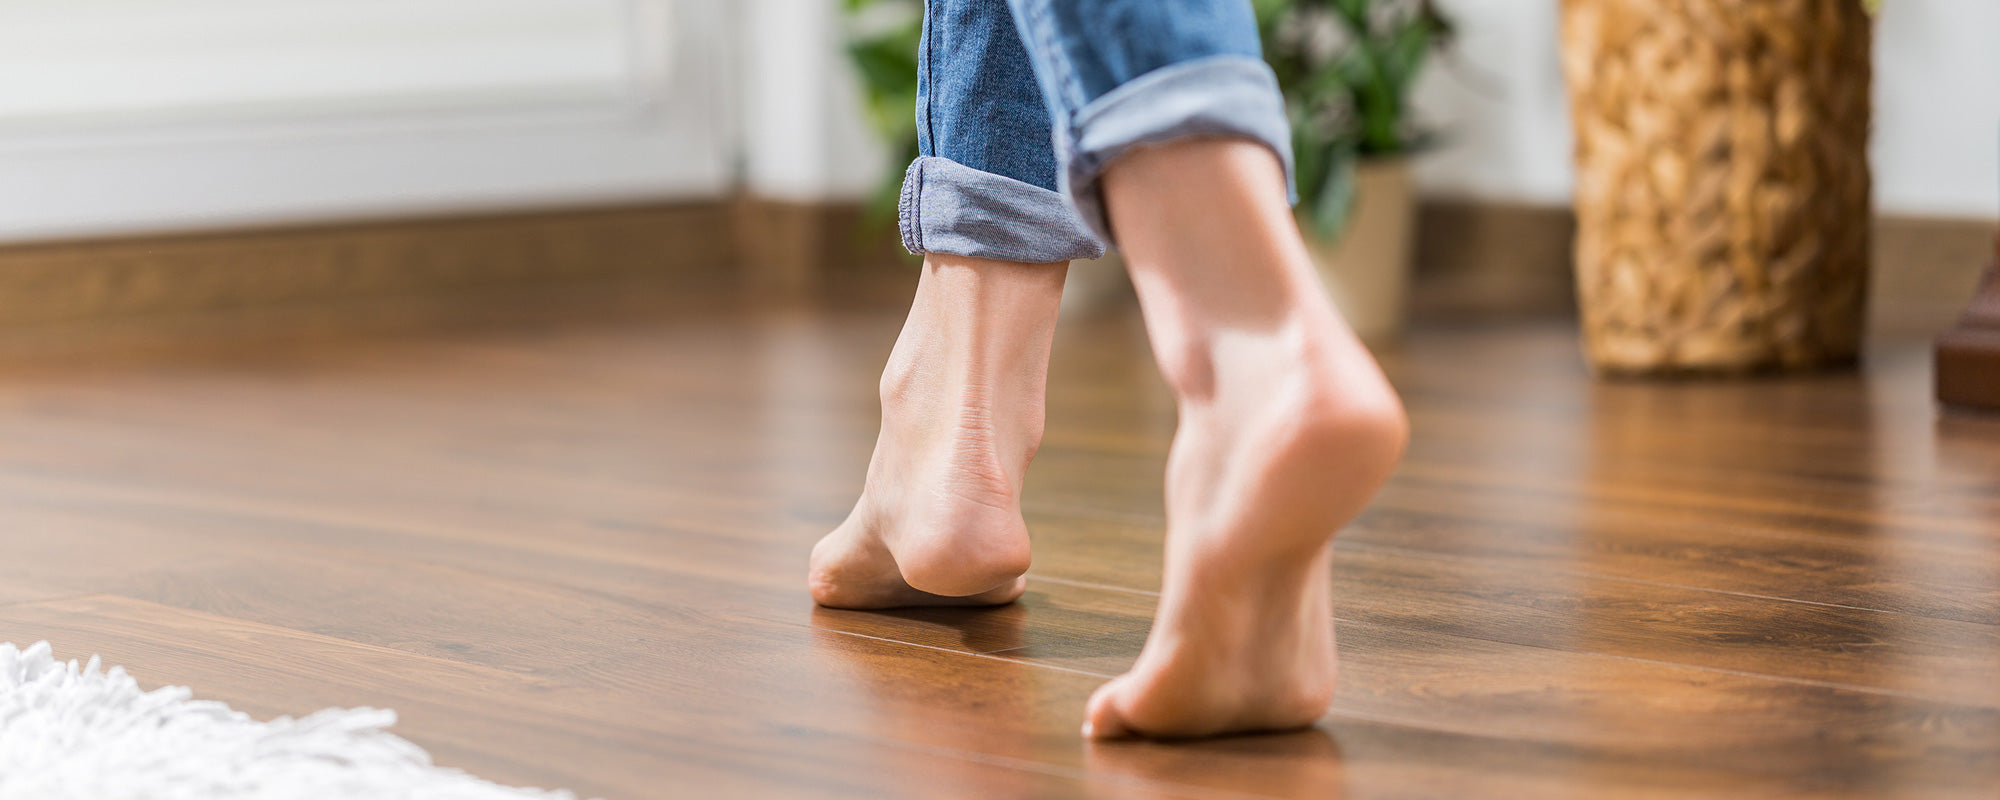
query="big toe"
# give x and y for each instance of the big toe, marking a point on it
(1104, 716)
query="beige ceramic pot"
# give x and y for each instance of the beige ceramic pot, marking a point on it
(1096, 287)
(1367, 271)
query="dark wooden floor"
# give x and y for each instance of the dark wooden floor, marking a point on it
(574, 557)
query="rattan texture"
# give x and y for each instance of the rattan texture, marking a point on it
(1723, 189)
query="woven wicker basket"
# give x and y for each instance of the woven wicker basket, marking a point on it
(1722, 181)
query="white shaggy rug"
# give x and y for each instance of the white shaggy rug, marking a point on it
(83, 732)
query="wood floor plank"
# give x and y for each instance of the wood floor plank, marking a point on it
(22, 591)
(548, 620)
(1948, 583)
(486, 720)
(1070, 479)
(1465, 596)
(1729, 723)
(574, 556)
(1943, 659)
(1045, 614)
(1316, 763)
(42, 558)
(1712, 630)
(1797, 451)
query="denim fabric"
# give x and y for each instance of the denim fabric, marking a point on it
(948, 207)
(984, 184)
(1022, 103)
(977, 103)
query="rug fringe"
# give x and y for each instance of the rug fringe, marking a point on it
(70, 730)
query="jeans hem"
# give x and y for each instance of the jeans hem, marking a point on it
(1218, 96)
(906, 208)
(947, 207)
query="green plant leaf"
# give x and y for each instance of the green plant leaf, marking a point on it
(1404, 55)
(1335, 204)
(1309, 160)
(1353, 14)
(1268, 12)
(886, 61)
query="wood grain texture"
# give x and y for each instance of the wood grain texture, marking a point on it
(1968, 354)
(573, 555)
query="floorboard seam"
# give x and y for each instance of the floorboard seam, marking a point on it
(1082, 774)
(52, 599)
(1757, 530)
(1381, 548)
(1592, 653)
(1091, 585)
(309, 634)
(1352, 544)
(1680, 497)
(1068, 640)
(957, 652)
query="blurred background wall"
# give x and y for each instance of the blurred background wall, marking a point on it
(129, 117)
(1498, 96)
(125, 116)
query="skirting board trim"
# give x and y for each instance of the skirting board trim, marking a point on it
(1492, 259)
(1473, 259)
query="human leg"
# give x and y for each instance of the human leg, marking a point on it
(1173, 139)
(1287, 429)
(939, 521)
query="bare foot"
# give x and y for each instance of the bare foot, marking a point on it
(1256, 488)
(939, 521)
(1287, 428)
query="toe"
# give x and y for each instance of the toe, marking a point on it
(1102, 718)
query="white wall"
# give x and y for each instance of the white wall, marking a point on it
(1936, 149)
(1496, 99)
(1937, 107)
(123, 116)
(804, 136)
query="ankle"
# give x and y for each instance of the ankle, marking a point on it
(1347, 384)
(986, 422)
(986, 280)
(1343, 409)
(976, 326)
(983, 310)
(1315, 380)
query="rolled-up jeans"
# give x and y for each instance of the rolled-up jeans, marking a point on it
(1021, 104)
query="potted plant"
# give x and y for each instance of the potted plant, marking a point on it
(1347, 68)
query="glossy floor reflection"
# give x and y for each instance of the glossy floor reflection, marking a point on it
(574, 556)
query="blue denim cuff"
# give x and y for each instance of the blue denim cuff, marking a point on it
(947, 207)
(1218, 96)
